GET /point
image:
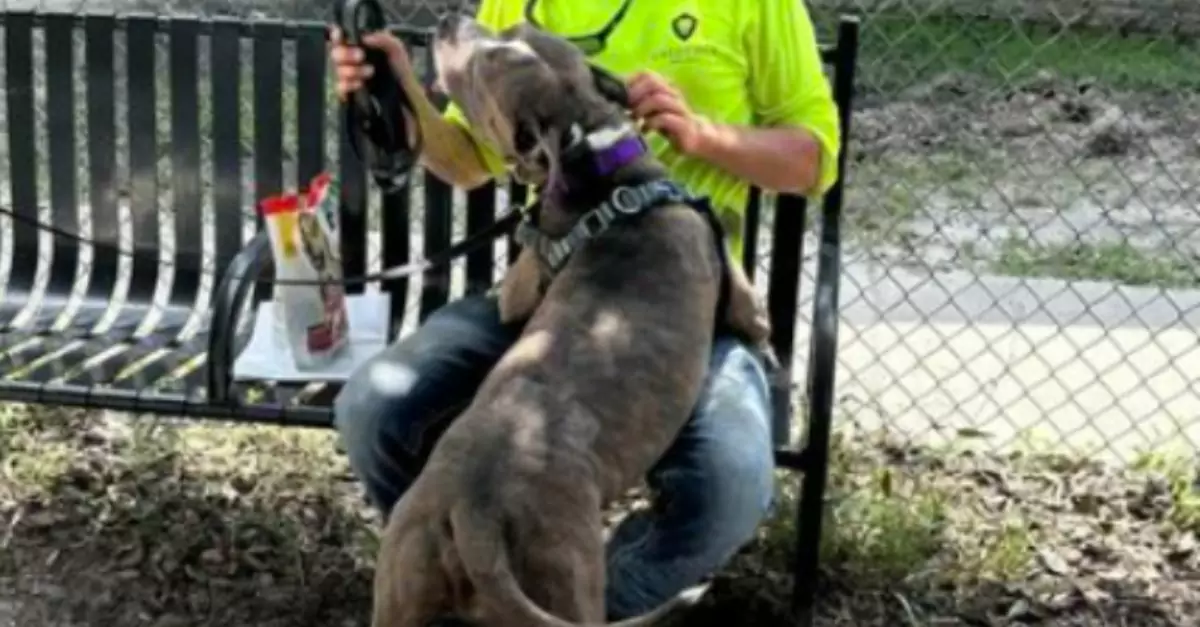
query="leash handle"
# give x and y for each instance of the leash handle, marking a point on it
(374, 112)
(357, 19)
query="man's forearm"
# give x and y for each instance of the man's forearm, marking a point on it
(779, 159)
(447, 150)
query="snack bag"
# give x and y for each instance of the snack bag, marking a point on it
(310, 319)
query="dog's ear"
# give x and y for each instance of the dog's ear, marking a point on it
(610, 86)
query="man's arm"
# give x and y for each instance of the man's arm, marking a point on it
(453, 151)
(779, 159)
(794, 145)
(448, 150)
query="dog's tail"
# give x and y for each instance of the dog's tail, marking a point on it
(484, 554)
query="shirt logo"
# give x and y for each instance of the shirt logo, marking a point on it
(684, 26)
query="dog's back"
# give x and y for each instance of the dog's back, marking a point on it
(622, 340)
(603, 378)
(636, 313)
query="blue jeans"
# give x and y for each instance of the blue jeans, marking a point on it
(712, 488)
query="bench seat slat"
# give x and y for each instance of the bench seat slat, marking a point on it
(226, 80)
(135, 351)
(352, 210)
(186, 200)
(29, 344)
(64, 189)
(395, 222)
(158, 363)
(141, 127)
(481, 213)
(22, 173)
(268, 120)
(310, 93)
(102, 286)
(73, 348)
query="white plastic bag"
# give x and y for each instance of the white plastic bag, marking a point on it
(303, 228)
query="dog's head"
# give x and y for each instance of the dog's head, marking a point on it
(529, 93)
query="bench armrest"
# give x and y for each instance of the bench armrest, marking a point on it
(236, 284)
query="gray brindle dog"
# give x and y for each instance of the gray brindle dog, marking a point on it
(624, 283)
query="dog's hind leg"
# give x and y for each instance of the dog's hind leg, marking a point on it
(489, 561)
(412, 589)
(562, 565)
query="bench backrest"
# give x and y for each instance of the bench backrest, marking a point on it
(260, 121)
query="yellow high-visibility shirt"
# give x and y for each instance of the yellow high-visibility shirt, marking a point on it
(739, 62)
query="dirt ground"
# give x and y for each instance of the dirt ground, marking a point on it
(104, 521)
(948, 173)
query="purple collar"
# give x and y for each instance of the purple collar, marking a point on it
(618, 155)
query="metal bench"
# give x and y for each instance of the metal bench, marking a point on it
(149, 318)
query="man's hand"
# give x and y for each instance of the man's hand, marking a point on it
(349, 62)
(779, 159)
(659, 107)
(447, 150)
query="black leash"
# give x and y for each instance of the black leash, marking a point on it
(374, 115)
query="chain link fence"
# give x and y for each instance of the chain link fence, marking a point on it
(1022, 214)
(1022, 256)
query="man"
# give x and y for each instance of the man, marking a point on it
(731, 94)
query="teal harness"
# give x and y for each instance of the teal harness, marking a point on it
(625, 203)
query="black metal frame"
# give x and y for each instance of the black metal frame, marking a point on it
(67, 364)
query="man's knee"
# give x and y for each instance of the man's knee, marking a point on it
(724, 461)
(715, 486)
(381, 416)
(734, 415)
(393, 407)
(731, 490)
(372, 404)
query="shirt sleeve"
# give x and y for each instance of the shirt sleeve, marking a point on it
(788, 86)
(496, 15)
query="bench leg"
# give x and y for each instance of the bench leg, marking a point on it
(812, 464)
(781, 405)
(810, 510)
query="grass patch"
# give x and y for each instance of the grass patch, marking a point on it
(880, 530)
(1180, 476)
(955, 536)
(888, 191)
(1120, 262)
(889, 528)
(900, 50)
